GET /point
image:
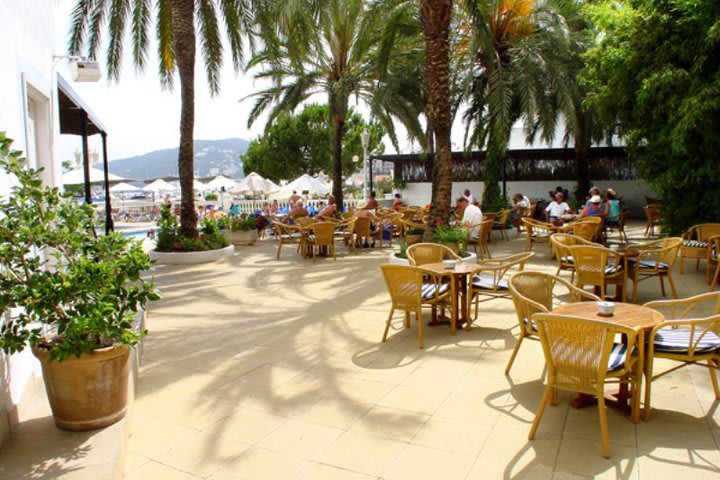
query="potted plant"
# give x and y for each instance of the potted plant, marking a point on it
(77, 293)
(454, 237)
(414, 235)
(241, 231)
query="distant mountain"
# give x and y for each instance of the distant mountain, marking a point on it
(212, 157)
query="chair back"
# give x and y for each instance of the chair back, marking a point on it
(424, 253)
(305, 221)
(703, 305)
(404, 283)
(662, 251)
(623, 218)
(586, 229)
(653, 212)
(533, 227)
(362, 227)
(702, 232)
(577, 350)
(299, 214)
(591, 264)
(324, 233)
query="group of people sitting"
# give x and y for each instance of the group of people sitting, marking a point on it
(595, 205)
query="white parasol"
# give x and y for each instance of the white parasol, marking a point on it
(76, 176)
(159, 185)
(219, 182)
(306, 182)
(255, 183)
(124, 187)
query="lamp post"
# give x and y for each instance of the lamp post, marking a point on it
(367, 175)
(355, 160)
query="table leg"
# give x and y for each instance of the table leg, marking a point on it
(454, 293)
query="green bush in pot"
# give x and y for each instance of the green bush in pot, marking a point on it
(74, 292)
(452, 236)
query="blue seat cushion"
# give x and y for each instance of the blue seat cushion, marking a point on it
(533, 324)
(612, 269)
(675, 340)
(567, 259)
(485, 282)
(618, 356)
(431, 290)
(649, 264)
(541, 234)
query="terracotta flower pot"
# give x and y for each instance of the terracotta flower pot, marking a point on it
(455, 247)
(242, 237)
(88, 392)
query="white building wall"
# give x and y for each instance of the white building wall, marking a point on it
(26, 67)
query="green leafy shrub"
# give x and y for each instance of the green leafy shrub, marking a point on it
(77, 291)
(169, 239)
(415, 231)
(212, 196)
(240, 224)
(402, 250)
(451, 234)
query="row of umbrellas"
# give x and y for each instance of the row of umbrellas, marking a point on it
(252, 183)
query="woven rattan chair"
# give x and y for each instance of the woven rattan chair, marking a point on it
(390, 221)
(561, 243)
(656, 259)
(712, 262)
(501, 223)
(410, 289)
(287, 234)
(583, 356)
(489, 278)
(484, 229)
(534, 292)
(321, 235)
(588, 228)
(537, 232)
(696, 243)
(345, 231)
(424, 253)
(620, 227)
(598, 266)
(690, 335)
(363, 230)
(304, 222)
(653, 216)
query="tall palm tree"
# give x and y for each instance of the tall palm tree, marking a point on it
(177, 24)
(521, 52)
(330, 51)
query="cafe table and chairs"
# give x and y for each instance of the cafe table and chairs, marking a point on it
(458, 273)
(537, 232)
(599, 266)
(561, 243)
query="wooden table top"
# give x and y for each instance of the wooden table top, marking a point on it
(627, 314)
(460, 268)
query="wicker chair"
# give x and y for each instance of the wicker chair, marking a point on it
(537, 232)
(598, 266)
(410, 289)
(534, 292)
(690, 335)
(304, 222)
(582, 356)
(561, 243)
(485, 228)
(696, 243)
(712, 261)
(322, 235)
(501, 222)
(424, 253)
(655, 262)
(364, 231)
(345, 231)
(620, 227)
(653, 216)
(488, 279)
(287, 234)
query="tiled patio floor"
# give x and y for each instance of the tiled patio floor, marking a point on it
(263, 369)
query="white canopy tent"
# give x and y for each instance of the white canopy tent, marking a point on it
(219, 182)
(76, 176)
(306, 182)
(124, 187)
(159, 185)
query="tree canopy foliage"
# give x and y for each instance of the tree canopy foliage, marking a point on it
(655, 74)
(301, 143)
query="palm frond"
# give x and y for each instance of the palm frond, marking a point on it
(166, 54)
(141, 18)
(118, 14)
(210, 43)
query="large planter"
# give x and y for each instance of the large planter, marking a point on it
(413, 239)
(187, 258)
(455, 247)
(88, 392)
(393, 259)
(240, 237)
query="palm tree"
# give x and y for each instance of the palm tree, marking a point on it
(177, 23)
(330, 51)
(521, 52)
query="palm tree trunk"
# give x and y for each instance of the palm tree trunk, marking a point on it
(338, 122)
(435, 16)
(183, 28)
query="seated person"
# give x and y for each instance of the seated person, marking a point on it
(521, 205)
(593, 191)
(471, 215)
(275, 207)
(612, 208)
(595, 208)
(372, 203)
(294, 199)
(557, 208)
(298, 211)
(397, 203)
(329, 211)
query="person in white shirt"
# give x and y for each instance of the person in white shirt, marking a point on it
(471, 215)
(468, 195)
(557, 208)
(521, 207)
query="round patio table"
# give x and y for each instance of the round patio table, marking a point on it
(459, 283)
(626, 314)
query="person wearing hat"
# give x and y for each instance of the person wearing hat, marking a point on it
(557, 208)
(594, 191)
(595, 208)
(612, 208)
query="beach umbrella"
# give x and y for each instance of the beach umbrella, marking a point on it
(255, 183)
(198, 185)
(159, 185)
(219, 182)
(76, 176)
(124, 187)
(306, 182)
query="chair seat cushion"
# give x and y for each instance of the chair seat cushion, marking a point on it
(648, 264)
(613, 269)
(540, 235)
(486, 282)
(676, 340)
(695, 244)
(533, 324)
(618, 356)
(567, 259)
(431, 291)
(290, 236)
